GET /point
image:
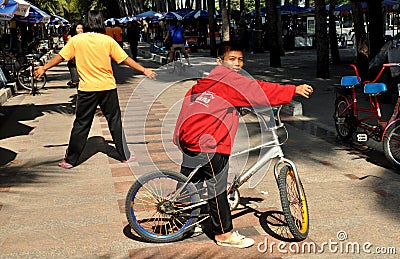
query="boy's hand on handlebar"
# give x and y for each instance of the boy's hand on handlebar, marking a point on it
(39, 71)
(304, 90)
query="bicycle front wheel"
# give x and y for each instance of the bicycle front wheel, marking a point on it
(24, 79)
(294, 203)
(391, 144)
(152, 214)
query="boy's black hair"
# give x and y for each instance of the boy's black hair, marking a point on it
(95, 22)
(226, 46)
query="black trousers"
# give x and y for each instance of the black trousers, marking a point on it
(86, 106)
(73, 72)
(134, 49)
(214, 172)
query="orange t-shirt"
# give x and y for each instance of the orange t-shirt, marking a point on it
(110, 32)
(92, 52)
(118, 33)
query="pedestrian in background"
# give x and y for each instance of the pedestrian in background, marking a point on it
(133, 37)
(74, 30)
(176, 35)
(118, 33)
(109, 29)
(92, 51)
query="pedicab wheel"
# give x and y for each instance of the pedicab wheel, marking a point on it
(391, 144)
(344, 119)
(151, 213)
(294, 203)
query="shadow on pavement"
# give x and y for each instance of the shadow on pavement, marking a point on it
(97, 144)
(6, 156)
(11, 125)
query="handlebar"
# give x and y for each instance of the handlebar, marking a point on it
(275, 116)
(384, 66)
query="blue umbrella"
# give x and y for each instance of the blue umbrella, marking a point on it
(199, 13)
(171, 16)
(148, 14)
(35, 15)
(9, 8)
(56, 18)
(183, 11)
(292, 9)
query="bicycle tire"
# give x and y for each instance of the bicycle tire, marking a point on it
(146, 199)
(178, 62)
(24, 79)
(294, 208)
(391, 144)
(344, 119)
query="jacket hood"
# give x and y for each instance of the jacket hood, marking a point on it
(216, 76)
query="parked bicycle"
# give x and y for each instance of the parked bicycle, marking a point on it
(349, 116)
(164, 206)
(9, 65)
(25, 75)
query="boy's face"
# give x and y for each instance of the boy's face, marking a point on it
(233, 59)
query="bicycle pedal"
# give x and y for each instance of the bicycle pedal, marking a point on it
(362, 137)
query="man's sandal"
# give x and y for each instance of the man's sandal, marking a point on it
(65, 165)
(236, 240)
(132, 158)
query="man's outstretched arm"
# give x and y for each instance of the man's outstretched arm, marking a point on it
(57, 59)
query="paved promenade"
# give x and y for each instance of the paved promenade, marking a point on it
(49, 212)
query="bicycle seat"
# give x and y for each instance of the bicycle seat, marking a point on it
(349, 81)
(375, 88)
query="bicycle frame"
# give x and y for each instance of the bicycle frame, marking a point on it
(275, 151)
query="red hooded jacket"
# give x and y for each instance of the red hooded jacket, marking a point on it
(208, 120)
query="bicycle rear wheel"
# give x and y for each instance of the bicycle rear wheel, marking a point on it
(153, 216)
(344, 119)
(391, 144)
(24, 79)
(293, 205)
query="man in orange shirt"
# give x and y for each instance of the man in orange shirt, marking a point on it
(109, 29)
(92, 51)
(118, 33)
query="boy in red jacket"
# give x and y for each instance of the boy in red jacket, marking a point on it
(207, 125)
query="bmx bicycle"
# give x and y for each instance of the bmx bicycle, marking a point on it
(349, 116)
(177, 61)
(165, 206)
(26, 78)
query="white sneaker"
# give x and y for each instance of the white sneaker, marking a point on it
(237, 240)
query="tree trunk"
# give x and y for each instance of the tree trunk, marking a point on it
(257, 33)
(242, 25)
(272, 33)
(225, 20)
(333, 34)
(198, 5)
(212, 28)
(360, 40)
(321, 39)
(376, 27)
